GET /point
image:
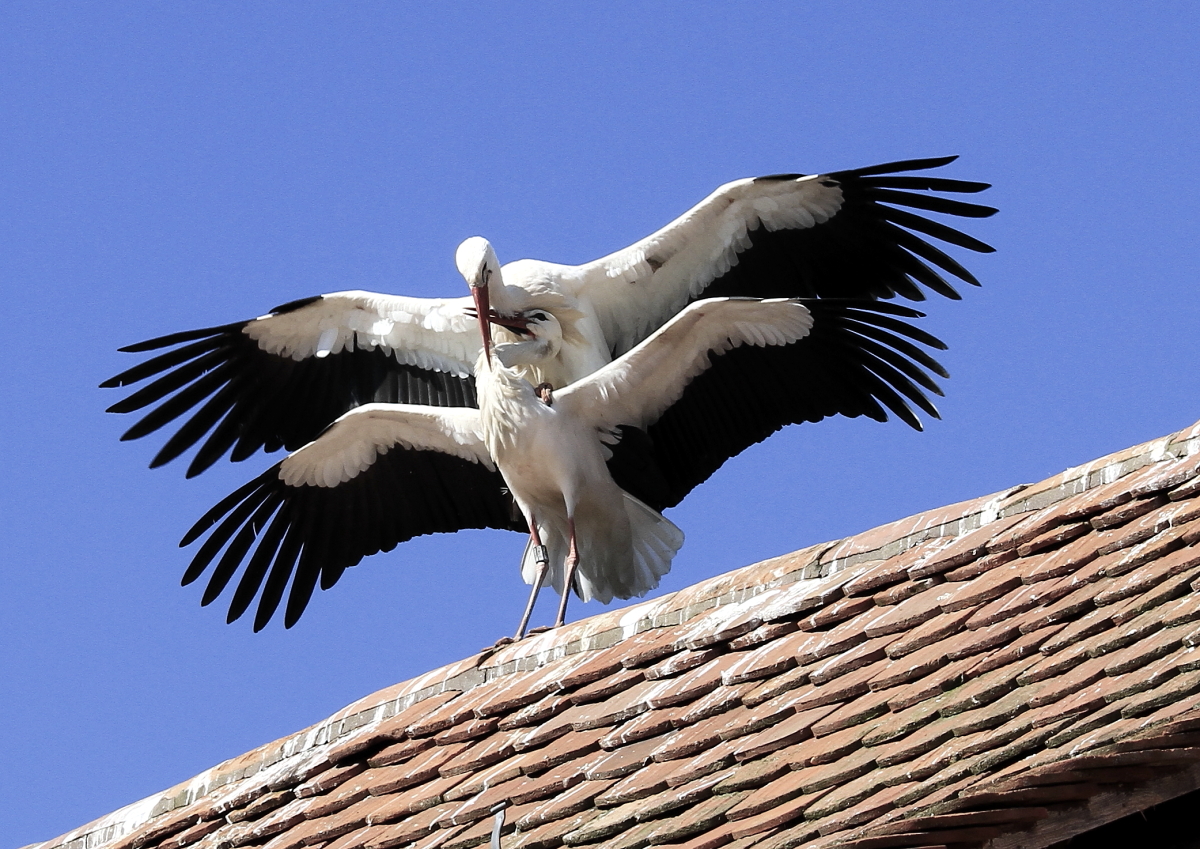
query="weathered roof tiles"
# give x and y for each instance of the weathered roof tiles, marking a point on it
(949, 679)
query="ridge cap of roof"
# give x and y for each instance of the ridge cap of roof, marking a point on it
(732, 601)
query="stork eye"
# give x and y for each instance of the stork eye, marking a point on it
(538, 316)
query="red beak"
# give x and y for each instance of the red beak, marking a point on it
(485, 327)
(513, 322)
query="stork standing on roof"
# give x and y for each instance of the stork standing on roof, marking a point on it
(354, 486)
(279, 380)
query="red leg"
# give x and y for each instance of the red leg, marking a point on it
(568, 579)
(543, 565)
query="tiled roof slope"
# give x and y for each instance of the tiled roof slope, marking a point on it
(1007, 671)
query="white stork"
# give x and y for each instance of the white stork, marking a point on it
(279, 380)
(386, 472)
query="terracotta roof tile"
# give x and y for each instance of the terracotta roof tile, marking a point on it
(697, 819)
(413, 828)
(831, 747)
(906, 615)
(1053, 538)
(396, 753)
(647, 647)
(861, 655)
(773, 687)
(967, 548)
(969, 571)
(719, 626)
(464, 731)
(1021, 598)
(1184, 560)
(552, 781)
(853, 713)
(754, 774)
(716, 758)
(450, 713)
(847, 686)
(483, 753)
(933, 628)
(766, 660)
(681, 661)
(484, 779)
(780, 815)
(570, 718)
(1024, 645)
(771, 793)
(472, 835)
(565, 748)
(638, 785)
(930, 685)
(717, 702)
(564, 805)
(603, 825)
(547, 835)
(908, 667)
(1127, 512)
(859, 800)
(981, 634)
(892, 571)
(789, 837)
(907, 589)
(765, 633)
(536, 712)
(897, 724)
(389, 730)
(342, 797)
(1029, 527)
(839, 611)
(792, 730)
(1063, 561)
(283, 831)
(842, 637)
(602, 688)
(652, 807)
(650, 724)
(625, 760)
(984, 587)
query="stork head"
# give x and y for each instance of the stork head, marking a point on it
(538, 337)
(477, 263)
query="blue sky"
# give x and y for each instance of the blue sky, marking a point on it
(169, 166)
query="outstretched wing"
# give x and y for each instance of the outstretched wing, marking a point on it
(846, 234)
(277, 381)
(860, 358)
(382, 474)
(637, 388)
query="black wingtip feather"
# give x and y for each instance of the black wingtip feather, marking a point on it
(926, 183)
(893, 167)
(176, 338)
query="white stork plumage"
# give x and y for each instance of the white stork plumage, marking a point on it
(279, 380)
(386, 472)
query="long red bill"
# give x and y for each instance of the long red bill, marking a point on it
(485, 328)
